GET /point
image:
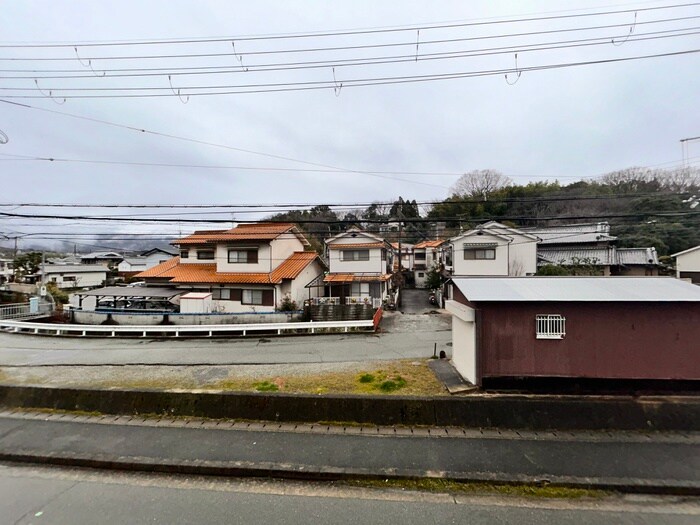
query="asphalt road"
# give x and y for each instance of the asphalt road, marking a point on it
(72, 497)
(403, 336)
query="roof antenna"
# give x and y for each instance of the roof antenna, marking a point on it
(49, 94)
(518, 71)
(632, 28)
(238, 57)
(336, 87)
(89, 64)
(183, 100)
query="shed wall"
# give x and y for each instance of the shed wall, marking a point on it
(603, 340)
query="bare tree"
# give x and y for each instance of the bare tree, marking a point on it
(480, 183)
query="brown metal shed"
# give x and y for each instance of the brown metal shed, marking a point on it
(645, 328)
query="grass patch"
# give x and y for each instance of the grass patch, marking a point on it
(399, 377)
(266, 386)
(442, 485)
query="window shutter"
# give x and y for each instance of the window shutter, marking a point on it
(236, 294)
(268, 298)
(252, 256)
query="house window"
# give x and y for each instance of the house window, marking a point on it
(184, 254)
(550, 326)
(221, 294)
(355, 255)
(243, 256)
(420, 256)
(359, 288)
(205, 255)
(421, 274)
(68, 278)
(479, 254)
(252, 297)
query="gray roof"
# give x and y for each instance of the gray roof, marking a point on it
(133, 291)
(577, 289)
(74, 268)
(595, 256)
(573, 233)
(631, 256)
(569, 256)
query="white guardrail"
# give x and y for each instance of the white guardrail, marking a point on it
(155, 331)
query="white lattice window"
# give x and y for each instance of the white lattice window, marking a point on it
(550, 326)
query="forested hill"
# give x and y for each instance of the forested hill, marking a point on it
(644, 207)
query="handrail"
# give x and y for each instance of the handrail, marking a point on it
(80, 330)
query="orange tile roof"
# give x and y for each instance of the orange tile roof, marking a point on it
(293, 266)
(260, 231)
(355, 277)
(176, 272)
(429, 244)
(356, 245)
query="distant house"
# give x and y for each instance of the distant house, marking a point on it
(427, 255)
(605, 260)
(73, 275)
(130, 266)
(406, 258)
(110, 259)
(593, 328)
(590, 245)
(6, 270)
(688, 264)
(249, 268)
(360, 266)
(493, 249)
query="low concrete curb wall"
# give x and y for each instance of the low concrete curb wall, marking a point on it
(124, 318)
(498, 411)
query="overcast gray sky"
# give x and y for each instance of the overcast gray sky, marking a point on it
(561, 124)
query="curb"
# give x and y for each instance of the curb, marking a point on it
(243, 469)
(533, 412)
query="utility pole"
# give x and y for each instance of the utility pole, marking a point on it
(684, 149)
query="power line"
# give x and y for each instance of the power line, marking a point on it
(411, 28)
(241, 89)
(411, 43)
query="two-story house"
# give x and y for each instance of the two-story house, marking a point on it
(493, 249)
(360, 266)
(249, 268)
(427, 255)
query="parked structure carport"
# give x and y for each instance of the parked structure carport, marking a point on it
(130, 293)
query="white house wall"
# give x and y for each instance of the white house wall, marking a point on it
(82, 279)
(497, 266)
(523, 256)
(298, 286)
(688, 262)
(374, 265)
(464, 356)
(283, 247)
(265, 263)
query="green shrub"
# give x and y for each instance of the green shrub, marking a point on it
(366, 378)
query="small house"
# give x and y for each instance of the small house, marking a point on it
(688, 264)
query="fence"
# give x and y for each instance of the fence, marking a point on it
(77, 330)
(30, 310)
(374, 302)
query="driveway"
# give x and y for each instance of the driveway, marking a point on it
(414, 301)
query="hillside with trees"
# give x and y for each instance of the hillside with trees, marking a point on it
(645, 207)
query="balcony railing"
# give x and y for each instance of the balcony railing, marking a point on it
(320, 301)
(375, 302)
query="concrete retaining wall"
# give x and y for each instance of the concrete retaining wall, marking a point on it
(492, 411)
(95, 318)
